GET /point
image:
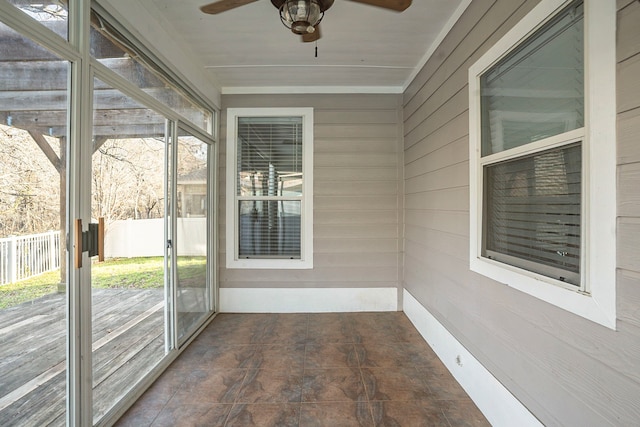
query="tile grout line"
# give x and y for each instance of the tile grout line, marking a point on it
(445, 417)
(364, 384)
(246, 373)
(354, 344)
(164, 405)
(304, 368)
(373, 418)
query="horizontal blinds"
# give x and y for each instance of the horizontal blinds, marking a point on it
(533, 212)
(269, 156)
(269, 186)
(536, 91)
(269, 229)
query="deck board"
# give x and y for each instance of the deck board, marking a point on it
(128, 332)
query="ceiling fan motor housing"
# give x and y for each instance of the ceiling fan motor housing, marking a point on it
(302, 16)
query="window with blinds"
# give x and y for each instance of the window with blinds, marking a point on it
(531, 133)
(542, 157)
(269, 186)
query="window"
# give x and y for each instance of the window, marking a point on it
(542, 208)
(53, 15)
(269, 190)
(116, 49)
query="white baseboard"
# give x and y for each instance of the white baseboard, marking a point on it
(497, 404)
(311, 300)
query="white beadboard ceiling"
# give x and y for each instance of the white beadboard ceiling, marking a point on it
(362, 49)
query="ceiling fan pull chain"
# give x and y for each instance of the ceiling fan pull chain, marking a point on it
(316, 48)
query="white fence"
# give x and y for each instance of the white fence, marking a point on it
(145, 238)
(22, 257)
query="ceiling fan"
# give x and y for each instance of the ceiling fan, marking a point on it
(302, 16)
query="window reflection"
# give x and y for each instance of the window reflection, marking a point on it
(52, 14)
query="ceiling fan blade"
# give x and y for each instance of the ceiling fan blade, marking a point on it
(398, 5)
(224, 5)
(306, 38)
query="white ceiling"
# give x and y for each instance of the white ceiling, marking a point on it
(363, 48)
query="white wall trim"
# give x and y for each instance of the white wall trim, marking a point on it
(289, 90)
(464, 4)
(309, 300)
(497, 404)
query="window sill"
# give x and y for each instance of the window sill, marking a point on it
(269, 264)
(549, 290)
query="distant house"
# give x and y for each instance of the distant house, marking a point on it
(192, 194)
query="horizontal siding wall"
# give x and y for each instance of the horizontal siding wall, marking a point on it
(357, 195)
(567, 371)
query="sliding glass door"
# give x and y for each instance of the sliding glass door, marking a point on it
(34, 95)
(106, 216)
(193, 284)
(128, 180)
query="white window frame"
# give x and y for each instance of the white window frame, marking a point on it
(596, 298)
(306, 220)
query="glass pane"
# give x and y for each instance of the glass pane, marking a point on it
(128, 287)
(533, 212)
(191, 249)
(53, 14)
(269, 229)
(536, 91)
(121, 56)
(270, 156)
(33, 200)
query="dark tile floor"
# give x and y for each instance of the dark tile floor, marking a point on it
(334, 369)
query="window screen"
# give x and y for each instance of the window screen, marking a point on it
(533, 206)
(269, 186)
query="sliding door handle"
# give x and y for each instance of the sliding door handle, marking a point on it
(91, 241)
(77, 243)
(100, 239)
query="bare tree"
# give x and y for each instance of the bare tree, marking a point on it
(29, 190)
(128, 179)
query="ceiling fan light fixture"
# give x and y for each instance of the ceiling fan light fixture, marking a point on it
(301, 16)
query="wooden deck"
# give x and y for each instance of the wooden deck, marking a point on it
(128, 337)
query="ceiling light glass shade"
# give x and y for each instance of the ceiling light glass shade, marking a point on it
(301, 16)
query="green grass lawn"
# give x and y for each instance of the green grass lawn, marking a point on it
(118, 273)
